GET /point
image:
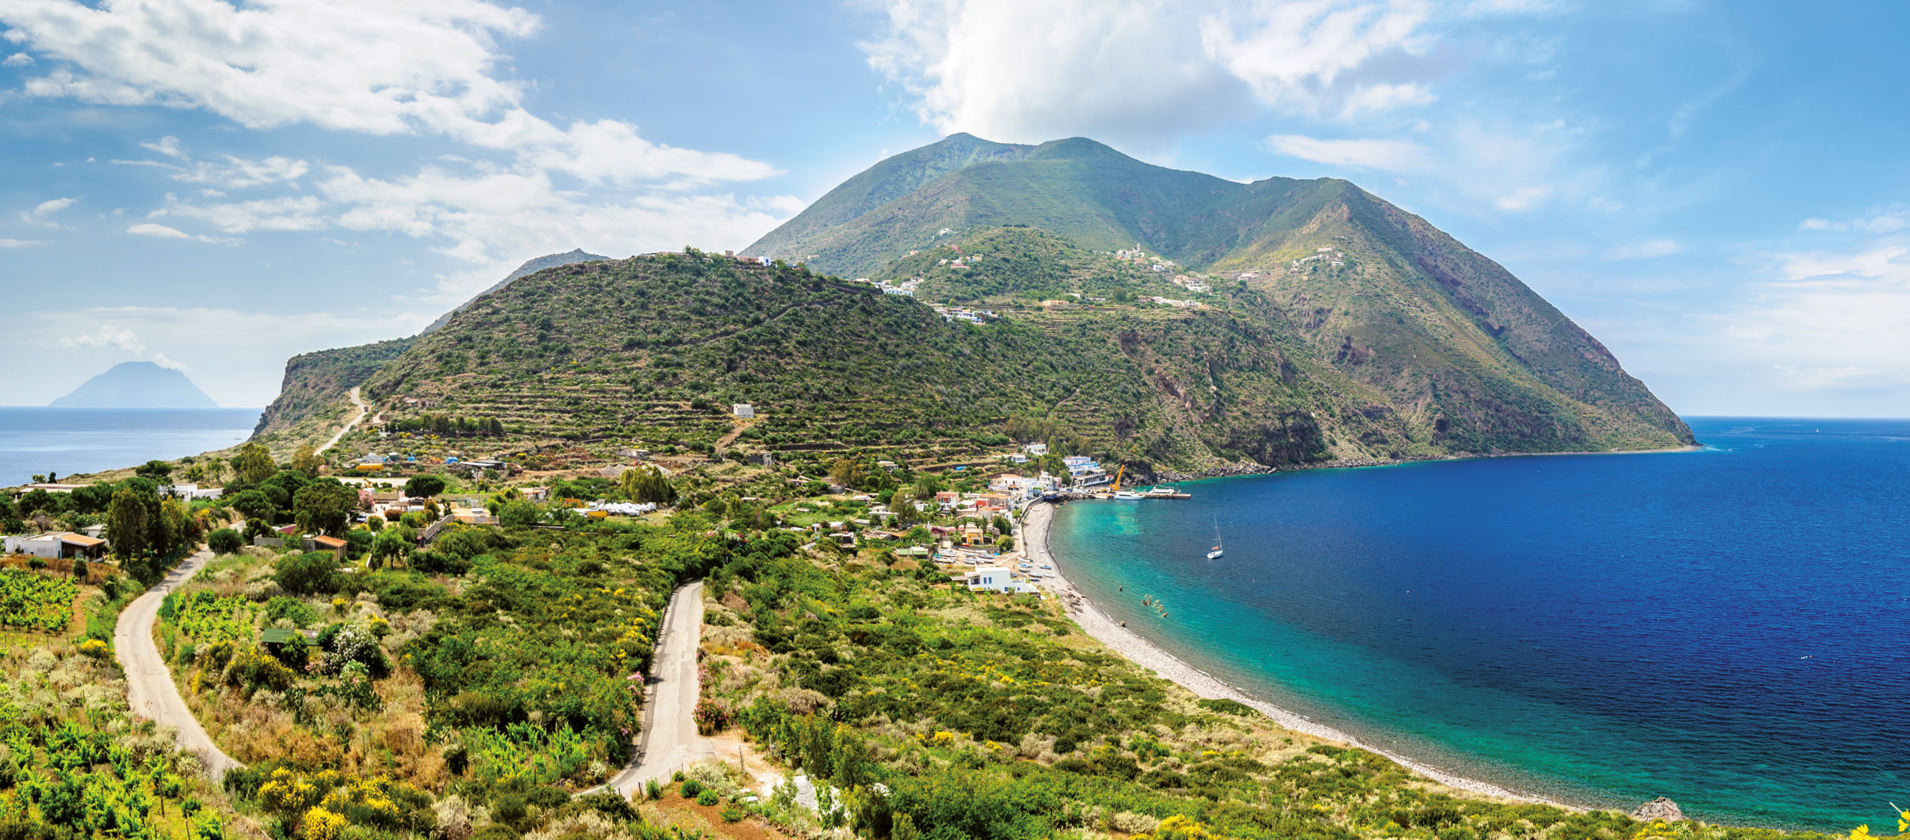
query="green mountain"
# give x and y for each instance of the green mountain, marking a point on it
(1274, 323)
(137, 385)
(1440, 331)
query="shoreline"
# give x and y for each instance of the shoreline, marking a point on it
(1240, 471)
(1132, 647)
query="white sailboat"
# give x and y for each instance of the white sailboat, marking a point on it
(1217, 550)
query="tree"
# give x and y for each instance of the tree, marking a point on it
(306, 460)
(306, 574)
(155, 470)
(519, 514)
(127, 524)
(324, 506)
(253, 504)
(848, 472)
(392, 546)
(424, 486)
(225, 541)
(253, 464)
(647, 484)
(1002, 525)
(93, 498)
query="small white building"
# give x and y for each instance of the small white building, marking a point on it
(743, 411)
(55, 545)
(996, 579)
(1036, 449)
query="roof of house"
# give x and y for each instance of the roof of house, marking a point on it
(81, 540)
(329, 542)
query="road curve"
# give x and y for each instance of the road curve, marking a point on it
(363, 409)
(669, 740)
(150, 690)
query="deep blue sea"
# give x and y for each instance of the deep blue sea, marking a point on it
(1729, 627)
(36, 441)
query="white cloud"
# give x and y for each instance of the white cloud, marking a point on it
(53, 205)
(1016, 71)
(1387, 155)
(42, 214)
(21, 243)
(1386, 97)
(1522, 199)
(1828, 320)
(17, 60)
(168, 146)
(159, 231)
(362, 66)
(269, 214)
(1895, 219)
(1145, 71)
(122, 338)
(1296, 54)
(1650, 249)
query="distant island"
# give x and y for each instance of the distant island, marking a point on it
(137, 385)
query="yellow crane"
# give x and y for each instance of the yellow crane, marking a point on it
(1117, 477)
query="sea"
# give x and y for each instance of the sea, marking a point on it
(1728, 627)
(64, 441)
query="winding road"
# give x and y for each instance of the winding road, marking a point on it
(363, 409)
(669, 741)
(149, 687)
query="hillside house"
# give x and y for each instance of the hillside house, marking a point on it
(57, 544)
(995, 579)
(743, 411)
(331, 545)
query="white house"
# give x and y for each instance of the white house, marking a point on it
(743, 411)
(1036, 449)
(55, 545)
(996, 579)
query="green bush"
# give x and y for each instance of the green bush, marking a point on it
(691, 788)
(708, 798)
(225, 541)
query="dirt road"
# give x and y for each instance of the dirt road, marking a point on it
(150, 690)
(363, 409)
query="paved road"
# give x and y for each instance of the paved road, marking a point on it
(669, 740)
(363, 410)
(150, 690)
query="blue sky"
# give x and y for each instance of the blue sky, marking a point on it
(1714, 190)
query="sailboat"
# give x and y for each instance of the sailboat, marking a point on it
(1217, 550)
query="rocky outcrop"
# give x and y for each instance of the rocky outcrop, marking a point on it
(1658, 809)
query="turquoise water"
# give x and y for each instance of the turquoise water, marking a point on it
(1729, 628)
(36, 441)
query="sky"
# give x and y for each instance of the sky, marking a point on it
(1717, 191)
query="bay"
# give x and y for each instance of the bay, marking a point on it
(1727, 627)
(36, 441)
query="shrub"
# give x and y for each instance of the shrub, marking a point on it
(691, 788)
(225, 541)
(307, 574)
(733, 813)
(707, 798)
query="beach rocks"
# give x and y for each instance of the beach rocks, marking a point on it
(1658, 809)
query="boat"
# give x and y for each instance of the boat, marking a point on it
(1217, 549)
(1164, 492)
(1127, 496)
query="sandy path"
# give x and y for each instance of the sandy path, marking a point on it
(1034, 538)
(150, 690)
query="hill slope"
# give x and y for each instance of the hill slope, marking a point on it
(137, 385)
(1376, 292)
(1263, 324)
(530, 267)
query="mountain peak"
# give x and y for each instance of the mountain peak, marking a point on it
(137, 385)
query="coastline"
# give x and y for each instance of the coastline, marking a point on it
(1240, 470)
(1131, 646)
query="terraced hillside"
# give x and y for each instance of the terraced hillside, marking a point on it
(652, 351)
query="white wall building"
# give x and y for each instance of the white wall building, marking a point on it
(996, 579)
